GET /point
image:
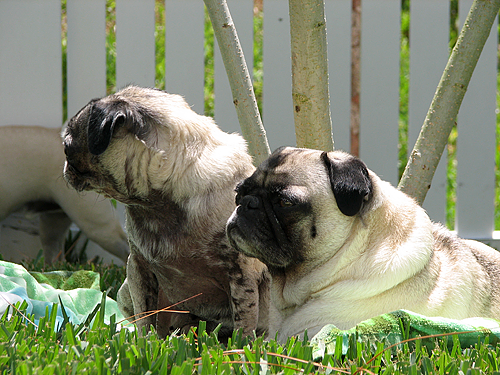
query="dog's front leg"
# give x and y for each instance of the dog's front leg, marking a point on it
(143, 287)
(163, 319)
(126, 306)
(250, 296)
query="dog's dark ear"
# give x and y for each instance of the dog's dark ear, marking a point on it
(350, 182)
(103, 120)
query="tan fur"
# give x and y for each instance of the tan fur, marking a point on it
(31, 167)
(387, 257)
(176, 172)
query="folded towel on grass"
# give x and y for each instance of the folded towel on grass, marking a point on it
(79, 292)
(400, 325)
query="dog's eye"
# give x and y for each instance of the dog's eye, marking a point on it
(283, 202)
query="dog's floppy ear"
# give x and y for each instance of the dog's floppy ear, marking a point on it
(106, 117)
(103, 120)
(350, 182)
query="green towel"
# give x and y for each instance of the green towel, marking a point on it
(399, 325)
(79, 292)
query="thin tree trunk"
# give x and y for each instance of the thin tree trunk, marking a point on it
(239, 80)
(355, 74)
(450, 92)
(311, 101)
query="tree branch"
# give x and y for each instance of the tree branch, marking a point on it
(311, 100)
(445, 105)
(239, 80)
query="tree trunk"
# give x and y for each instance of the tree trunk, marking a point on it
(311, 101)
(239, 80)
(355, 74)
(445, 105)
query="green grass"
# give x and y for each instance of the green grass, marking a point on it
(208, 45)
(96, 348)
(404, 84)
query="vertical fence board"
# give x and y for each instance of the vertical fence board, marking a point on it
(379, 98)
(277, 86)
(30, 63)
(86, 52)
(338, 32)
(476, 143)
(135, 43)
(429, 51)
(184, 60)
(225, 112)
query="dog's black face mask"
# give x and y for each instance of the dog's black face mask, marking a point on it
(79, 166)
(263, 225)
(268, 214)
(276, 225)
(91, 132)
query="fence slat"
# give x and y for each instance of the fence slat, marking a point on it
(184, 51)
(277, 86)
(338, 32)
(135, 43)
(429, 51)
(30, 63)
(379, 97)
(225, 112)
(86, 52)
(476, 144)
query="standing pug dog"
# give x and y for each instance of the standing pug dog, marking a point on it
(176, 172)
(31, 164)
(343, 246)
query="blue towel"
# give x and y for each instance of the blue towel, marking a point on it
(17, 285)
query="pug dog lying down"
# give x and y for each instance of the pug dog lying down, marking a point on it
(176, 172)
(343, 246)
(31, 166)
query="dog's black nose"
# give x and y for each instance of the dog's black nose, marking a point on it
(250, 202)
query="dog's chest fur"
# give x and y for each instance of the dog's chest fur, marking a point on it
(158, 231)
(164, 231)
(184, 260)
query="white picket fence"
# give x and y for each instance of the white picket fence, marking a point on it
(31, 79)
